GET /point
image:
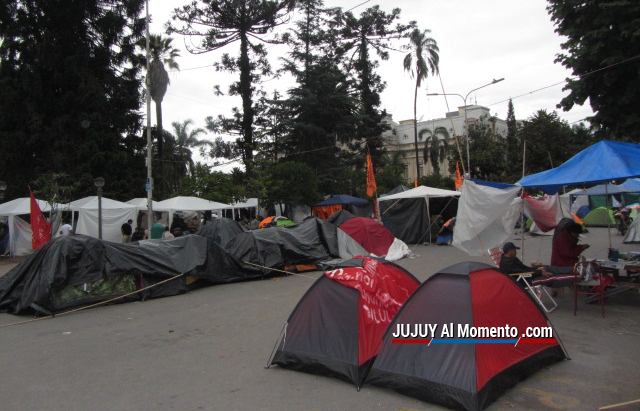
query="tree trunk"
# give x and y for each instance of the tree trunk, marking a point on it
(159, 130)
(247, 104)
(415, 132)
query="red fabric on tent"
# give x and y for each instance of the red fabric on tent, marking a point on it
(545, 211)
(40, 227)
(383, 289)
(324, 212)
(496, 301)
(371, 235)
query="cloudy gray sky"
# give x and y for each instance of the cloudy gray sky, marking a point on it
(478, 40)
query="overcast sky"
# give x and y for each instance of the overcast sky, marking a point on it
(478, 41)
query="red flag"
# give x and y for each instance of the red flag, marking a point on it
(40, 227)
(371, 178)
(459, 178)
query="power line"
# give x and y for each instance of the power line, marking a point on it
(564, 81)
(358, 5)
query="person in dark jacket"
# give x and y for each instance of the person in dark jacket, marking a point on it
(126, 231)
(511, 264)
(565, 250)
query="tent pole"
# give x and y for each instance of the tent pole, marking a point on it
(606, 203)
(429, 217)
(524, 158)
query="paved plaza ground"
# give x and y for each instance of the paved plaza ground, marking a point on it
(206, 350)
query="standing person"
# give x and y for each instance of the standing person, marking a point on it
(156, 232)
(167, 234)
(126, 230)
(565, 249)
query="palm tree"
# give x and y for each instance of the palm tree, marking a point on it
(185, 140)
(435, 147)
(162, 53)
(422, 58)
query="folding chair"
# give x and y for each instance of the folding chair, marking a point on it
(538, 292)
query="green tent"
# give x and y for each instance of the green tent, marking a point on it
(284, 222)
(600, 217)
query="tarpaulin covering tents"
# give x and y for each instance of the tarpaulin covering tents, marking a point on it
(77, 265)
(601, 162)
(337, 327)
(114, 214)
(275, 247)
(631, 185)
(460, 374)
(343, 199)
(407, 213)
(186, 203)
(19, 229)
(220, 230)
(486, 217)
(141, 203)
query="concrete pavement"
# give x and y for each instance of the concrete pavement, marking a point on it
(206, 350)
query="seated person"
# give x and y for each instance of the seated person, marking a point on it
(541, 275)
(511, 264)
(138, 234)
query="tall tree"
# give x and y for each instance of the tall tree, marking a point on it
(436, 147)
(71, 94)
(422, 58)
(162, 54)
(223, 22)
(550, 140)
(601, 49)
(513, 149)
(373, 30)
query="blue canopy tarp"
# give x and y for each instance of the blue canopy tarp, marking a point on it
(632, 185)
(343, 199)
(601, 162)
(493, 184)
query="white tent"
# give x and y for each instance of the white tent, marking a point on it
(114, 214)
(141, 203)
(486, 217)
(421, 192)
(180, 203)
(189, 204)
(19, 229)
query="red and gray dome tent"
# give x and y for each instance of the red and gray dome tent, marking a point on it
(358, 236)
(337, 327)
(461, 372)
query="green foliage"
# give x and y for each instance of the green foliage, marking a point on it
(550, 141)
(373, 30)
(601, 33)
(436, 146)
(289, 182)
(212, 185)
(391, 174)
(71, 94)
(513, 155)
(438, 181)
(220, 23)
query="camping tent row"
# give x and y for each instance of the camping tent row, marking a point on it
(353, 321)
(114, 214)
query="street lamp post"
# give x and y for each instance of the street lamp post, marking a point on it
(466, 127)
(3, 188)
(99, 183)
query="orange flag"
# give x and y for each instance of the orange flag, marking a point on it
(459, 178)
(371, 178)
